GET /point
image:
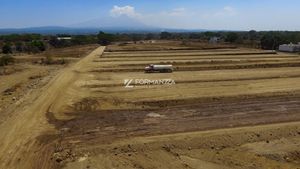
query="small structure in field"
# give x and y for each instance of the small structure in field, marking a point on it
(147, 42)
(290, 47)
(64, 38)
(214, 40)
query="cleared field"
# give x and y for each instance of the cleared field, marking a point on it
(197, 61)
(116, 79)
(213, 90)
(228, 108)
(195, 53)
(162, 45)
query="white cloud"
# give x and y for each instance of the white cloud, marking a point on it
(128, 10)
(226, 11)
(180, 17)
(162, 19)
(177, 12)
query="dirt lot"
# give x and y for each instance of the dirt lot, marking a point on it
(162, 45)
(19, 80)
(228, 108)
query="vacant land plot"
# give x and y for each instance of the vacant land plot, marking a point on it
(227, 108)
(166, 45)
(29, 74)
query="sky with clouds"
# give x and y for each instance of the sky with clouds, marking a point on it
(186, 14)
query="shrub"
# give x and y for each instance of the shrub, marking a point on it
(35, 47)
(6, 49)
(19, 47)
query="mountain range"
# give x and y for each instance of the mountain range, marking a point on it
(121, 24)
(53, 30)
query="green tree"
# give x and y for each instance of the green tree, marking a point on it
(6, 49)
(150, 36)
(252, 35)
(165, 35)
(35, 47)
(232, 37)
(39, 45)
(271, 41)
(105, 38)
(19, 46)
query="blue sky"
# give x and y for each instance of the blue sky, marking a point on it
(188, 14)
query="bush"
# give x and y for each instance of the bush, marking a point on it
(6, 49)
(5, 60)
(35, 47)
(19, 47)
(39, 45)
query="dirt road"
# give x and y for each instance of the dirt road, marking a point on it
(18, 134)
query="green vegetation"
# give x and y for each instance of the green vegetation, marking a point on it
(232, 37)
(6, 49)
(165, 35)
(105, 38)
(35, 43)
(269, 40)
(19, 46)
(36, 46)
(20, 37)
(29, 43)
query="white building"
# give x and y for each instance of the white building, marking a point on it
(214, 40)
(64, 38)
(290, 47)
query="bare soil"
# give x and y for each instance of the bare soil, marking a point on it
(230, 108)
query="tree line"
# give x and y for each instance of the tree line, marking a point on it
(34, 43)
(269, 40)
